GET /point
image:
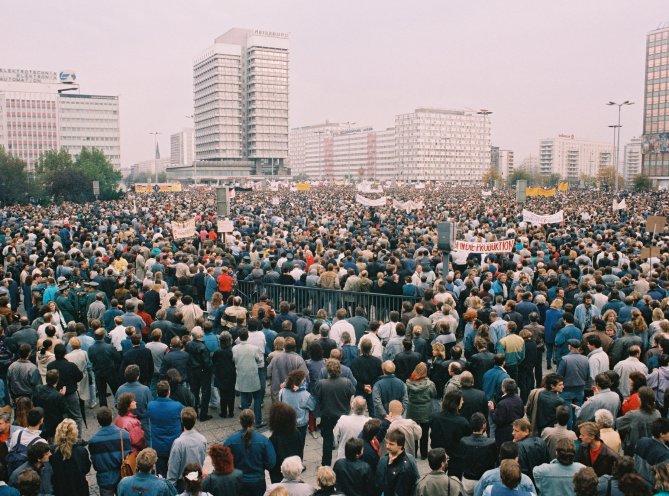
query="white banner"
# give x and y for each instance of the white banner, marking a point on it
(420, 185)
(409, 205)
(366, 187)
(619, 206)
(276, 201)
(368, 202)
(504, 246)
(585, 216)
(183, 230)
(225, 226)
(533, 218)
(485, 194)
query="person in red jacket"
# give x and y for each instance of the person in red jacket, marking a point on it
(225, 283)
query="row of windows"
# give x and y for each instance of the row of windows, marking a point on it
(270, 97)
(32, 115)
(254, 88)
(33, 104)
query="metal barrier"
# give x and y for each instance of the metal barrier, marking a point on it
(378, 306)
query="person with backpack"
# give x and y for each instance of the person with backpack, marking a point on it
(22, 440)
(37, 458)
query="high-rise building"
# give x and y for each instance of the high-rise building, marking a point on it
(298, 138)
(655, 145)
(241, 104)
(632, 159)
(442, 145)
(37, 115)
(182, 147)
(571, 158)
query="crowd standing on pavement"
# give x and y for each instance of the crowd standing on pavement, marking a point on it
(543, 370)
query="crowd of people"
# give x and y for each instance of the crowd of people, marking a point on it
(543, 370)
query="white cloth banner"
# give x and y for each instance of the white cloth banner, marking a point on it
(366, 187)
(420, 185)
(503, 246)
(276, 201)
(619, 206)
(533, 218)
(585, 216)
(183, 230)
(409, 205)
(485, 194)
(368, 202)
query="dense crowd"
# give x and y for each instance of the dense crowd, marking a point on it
(539, 371)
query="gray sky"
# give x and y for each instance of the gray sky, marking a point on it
(543, 68)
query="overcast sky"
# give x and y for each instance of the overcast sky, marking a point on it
(543, 68)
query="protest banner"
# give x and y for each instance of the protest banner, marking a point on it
(183, 230)
(619, 206)
(533, 218)
(503, 246)
(302, 187)
(408, 205)
(369, 202)
(225, 226)
(537, 191)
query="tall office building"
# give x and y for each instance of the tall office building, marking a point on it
(182, 147)
(571, 158)
(442, 145)
(240, 88)
(655, 145)
(502, 161)
(37, 115)
(632, 159)
(298, 139)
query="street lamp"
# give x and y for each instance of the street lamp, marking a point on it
(617, 151)
(192, 116)
(485, 113)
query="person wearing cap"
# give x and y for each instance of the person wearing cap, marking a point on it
(64, 303)
(575, 369)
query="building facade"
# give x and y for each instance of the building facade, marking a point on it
(632, 159)
(572, 158)
(350, 153)
(182, 147)
(655, 139)
(90, 121)
(152, 167)
(240, 90)
(38, 113)
(442, 145)
(297, 145)
(502, 161)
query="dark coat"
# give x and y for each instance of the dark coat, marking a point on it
(508, 409)
(548, 402)
(69, 476)
(652, 450)
(285, 445)
(479, 453)
(70, 375)
(474, 401)
(603, 464)
(175, 359)
(532, 452)
(405, 363)
(104, 357)
(53, 404)
(479, 364)
(446, 431)
(354, 478)
(225, 373)
(141, 357)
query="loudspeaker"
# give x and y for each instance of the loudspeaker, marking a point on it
(222, 202)
(445, 236)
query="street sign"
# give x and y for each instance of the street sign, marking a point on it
(445, 236)
(156, 188)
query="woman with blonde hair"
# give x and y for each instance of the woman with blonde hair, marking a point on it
(661, 471)
(611, 319)
(70, 462)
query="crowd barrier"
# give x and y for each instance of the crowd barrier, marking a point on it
(377, 306)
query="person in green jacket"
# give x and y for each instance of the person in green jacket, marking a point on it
(421, 391)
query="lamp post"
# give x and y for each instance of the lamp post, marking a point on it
(615, 127)
(617, 150)
(155, 146)
(485, 113)
(192, 117)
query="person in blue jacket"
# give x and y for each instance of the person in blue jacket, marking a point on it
(553, 314)
(105, 449)
(253, 453)
(144, 482)
(165, 416)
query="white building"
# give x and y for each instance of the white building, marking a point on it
(573, 158)
(297, 144)
(90, 121)
(182, 147)
(151, 167)
(353, 153)
(632, 159)
(241, 103)
(442, 145)
(36, 115)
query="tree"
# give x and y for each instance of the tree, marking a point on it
(96, 167)
(642, 183)
(62, 178)
(519, 175)
(607, 177)
(301, 177)
(491, 176)
(14, 184)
